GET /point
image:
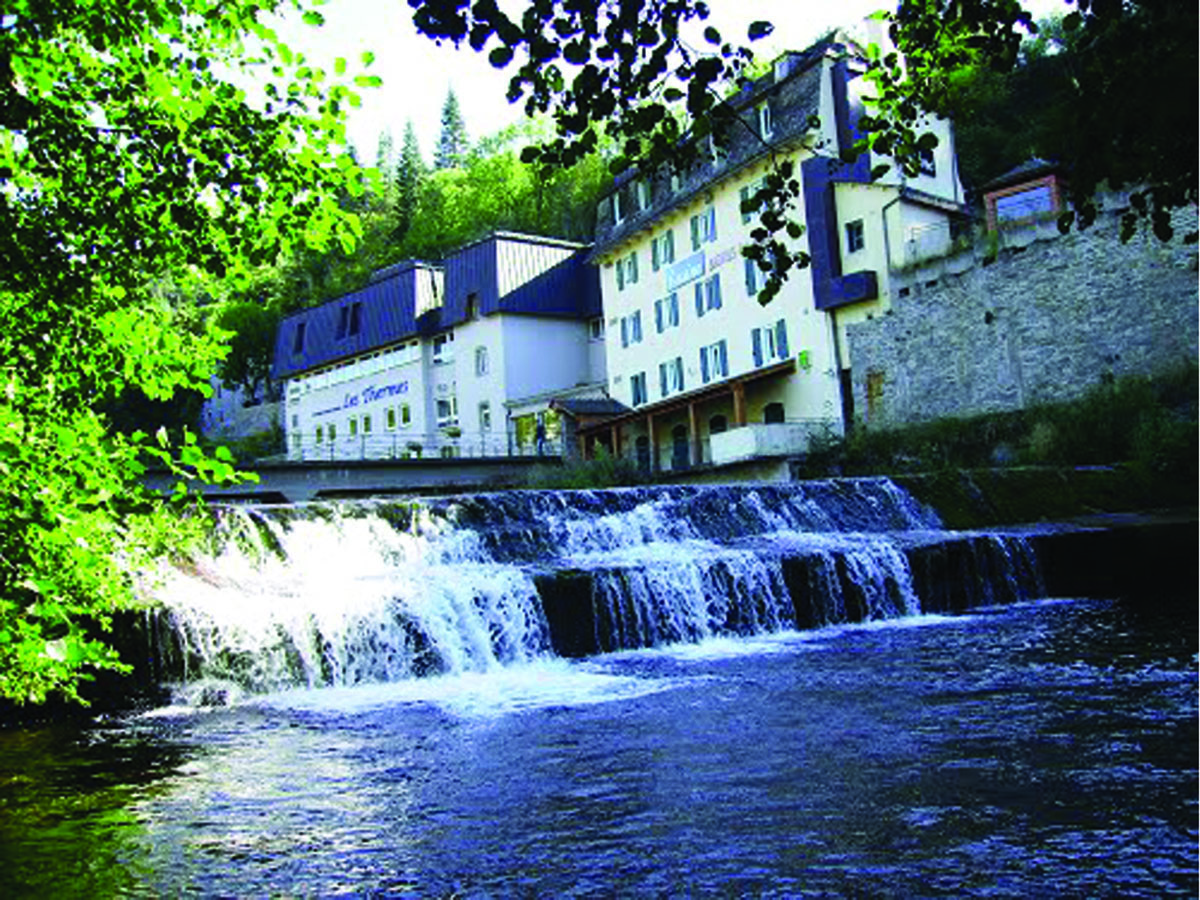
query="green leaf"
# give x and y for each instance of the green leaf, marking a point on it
(759, 30)
(312, 17)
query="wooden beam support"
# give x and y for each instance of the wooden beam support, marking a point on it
(739, 404)
(694, 428)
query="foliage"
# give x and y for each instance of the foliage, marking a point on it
(453, 145)
(1149, 423)
(410, 172)
(125, 157)
(1111, 112)
(603, 471)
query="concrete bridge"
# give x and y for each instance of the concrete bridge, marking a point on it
(296, 482)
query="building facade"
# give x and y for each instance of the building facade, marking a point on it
(461, 359)
(708, 373)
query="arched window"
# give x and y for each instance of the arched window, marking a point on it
(642, 450)
(680, 458)
(717, 424)
(773, 412)
(481, 361)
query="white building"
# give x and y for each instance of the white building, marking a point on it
(457, 360)
(709, 374)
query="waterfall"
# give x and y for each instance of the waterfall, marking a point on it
(378, 591)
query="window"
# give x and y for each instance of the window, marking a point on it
(617, 213)
(631, 329)
(676, 182)
(472, 305)
(297, 441)
(295, 421)
(448, 452)
(298, 342)
(332, 432)
(447, 411)
(637, 385)
(643, 194)
(769, 343)
(596, 329)
(485, 416)
(755, 277)
(666, 312)
(662, 250)
(442, 351)
(773, 413)
(765, 126)
(366, 424)
(717, 425)
(670, 377)
(748, 205)
(708, 295)
(704, 227)
(320, 434)
(855, 239)
(349, 321)
(927, 164)
(627, 272)
(405, 414)
(481, 361)
(353, 427)
(714, 362)
(389, 418)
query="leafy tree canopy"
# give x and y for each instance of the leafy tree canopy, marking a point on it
(128, 153)
(620, 69)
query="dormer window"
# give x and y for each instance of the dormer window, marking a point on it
(349, 321)
(617, 213)
(298, 342)
(642, 192)
(765, 127)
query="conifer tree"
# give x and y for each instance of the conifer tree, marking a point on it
(410, 170)
(453, 144)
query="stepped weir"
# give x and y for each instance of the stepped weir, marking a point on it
(338, 594)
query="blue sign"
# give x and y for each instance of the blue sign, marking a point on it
(688, 269)
(370, 394)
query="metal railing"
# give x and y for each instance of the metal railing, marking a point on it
(446, 443)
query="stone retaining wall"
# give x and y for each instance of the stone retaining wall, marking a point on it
(1045, 322)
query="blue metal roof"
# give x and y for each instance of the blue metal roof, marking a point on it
(386, 306)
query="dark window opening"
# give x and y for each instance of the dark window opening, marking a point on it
(679, 447)
(343, 324)
(472, 305)
(642, 451)
(298, 343)
(355, 318)
(717, 425)
(773, 413)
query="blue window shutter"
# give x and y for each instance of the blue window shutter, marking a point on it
(658, 316)
(715, 287)
(669, 247)
(654, 255)
(712, 223)
(662, 379)
(635, 327)
(673, 316)
(744, 195)
(751, 277)
(724, 363)
(624, 331)
(699, 299)
(756, 340)
(781, 339)
(633, 267)
(620, 274)
(704, 365)
(695, 232)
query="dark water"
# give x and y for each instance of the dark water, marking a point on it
(1045, 750)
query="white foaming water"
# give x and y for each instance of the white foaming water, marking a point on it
(338, 595)
(541, 684)
(350, 600)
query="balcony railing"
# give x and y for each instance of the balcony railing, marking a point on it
(450, 443)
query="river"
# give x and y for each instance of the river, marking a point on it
(1039, 747)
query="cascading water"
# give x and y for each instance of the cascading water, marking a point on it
(339, 594)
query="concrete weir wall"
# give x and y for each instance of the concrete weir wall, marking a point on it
(1045, 322)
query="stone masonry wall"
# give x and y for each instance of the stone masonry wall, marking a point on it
(1045, 322)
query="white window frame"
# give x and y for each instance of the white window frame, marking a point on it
(704, 227)
(481, 361)
(762, 113)
(666, 312)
